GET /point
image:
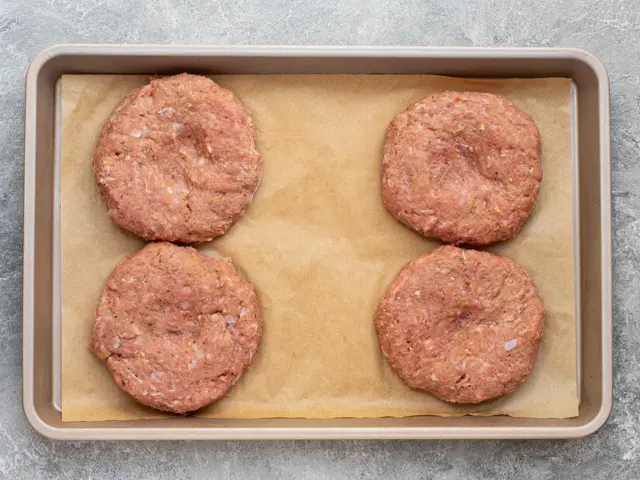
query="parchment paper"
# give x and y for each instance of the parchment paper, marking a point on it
(320, 248)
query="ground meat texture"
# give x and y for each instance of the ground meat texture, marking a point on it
(177, 160)
(462, 167)
(176, 328)
(461, 324)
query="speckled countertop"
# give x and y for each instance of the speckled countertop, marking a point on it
(608, 28)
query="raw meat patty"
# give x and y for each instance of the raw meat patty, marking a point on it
(177, 160)
(176, 328)
(462, 167)
(461, 324)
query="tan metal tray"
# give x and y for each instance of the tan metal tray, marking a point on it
(592, 223)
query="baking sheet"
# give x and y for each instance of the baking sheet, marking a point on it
(320, 248)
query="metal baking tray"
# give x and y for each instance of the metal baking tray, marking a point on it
(592, 221)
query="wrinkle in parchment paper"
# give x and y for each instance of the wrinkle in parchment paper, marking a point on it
(320, 248)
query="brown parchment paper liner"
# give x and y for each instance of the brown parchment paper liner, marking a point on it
(320, 248)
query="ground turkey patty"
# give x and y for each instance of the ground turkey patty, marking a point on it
(461, 324)
(177, 160)
(462, 167)
(176, 328)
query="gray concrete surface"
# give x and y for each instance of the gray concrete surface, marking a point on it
(608, 28)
